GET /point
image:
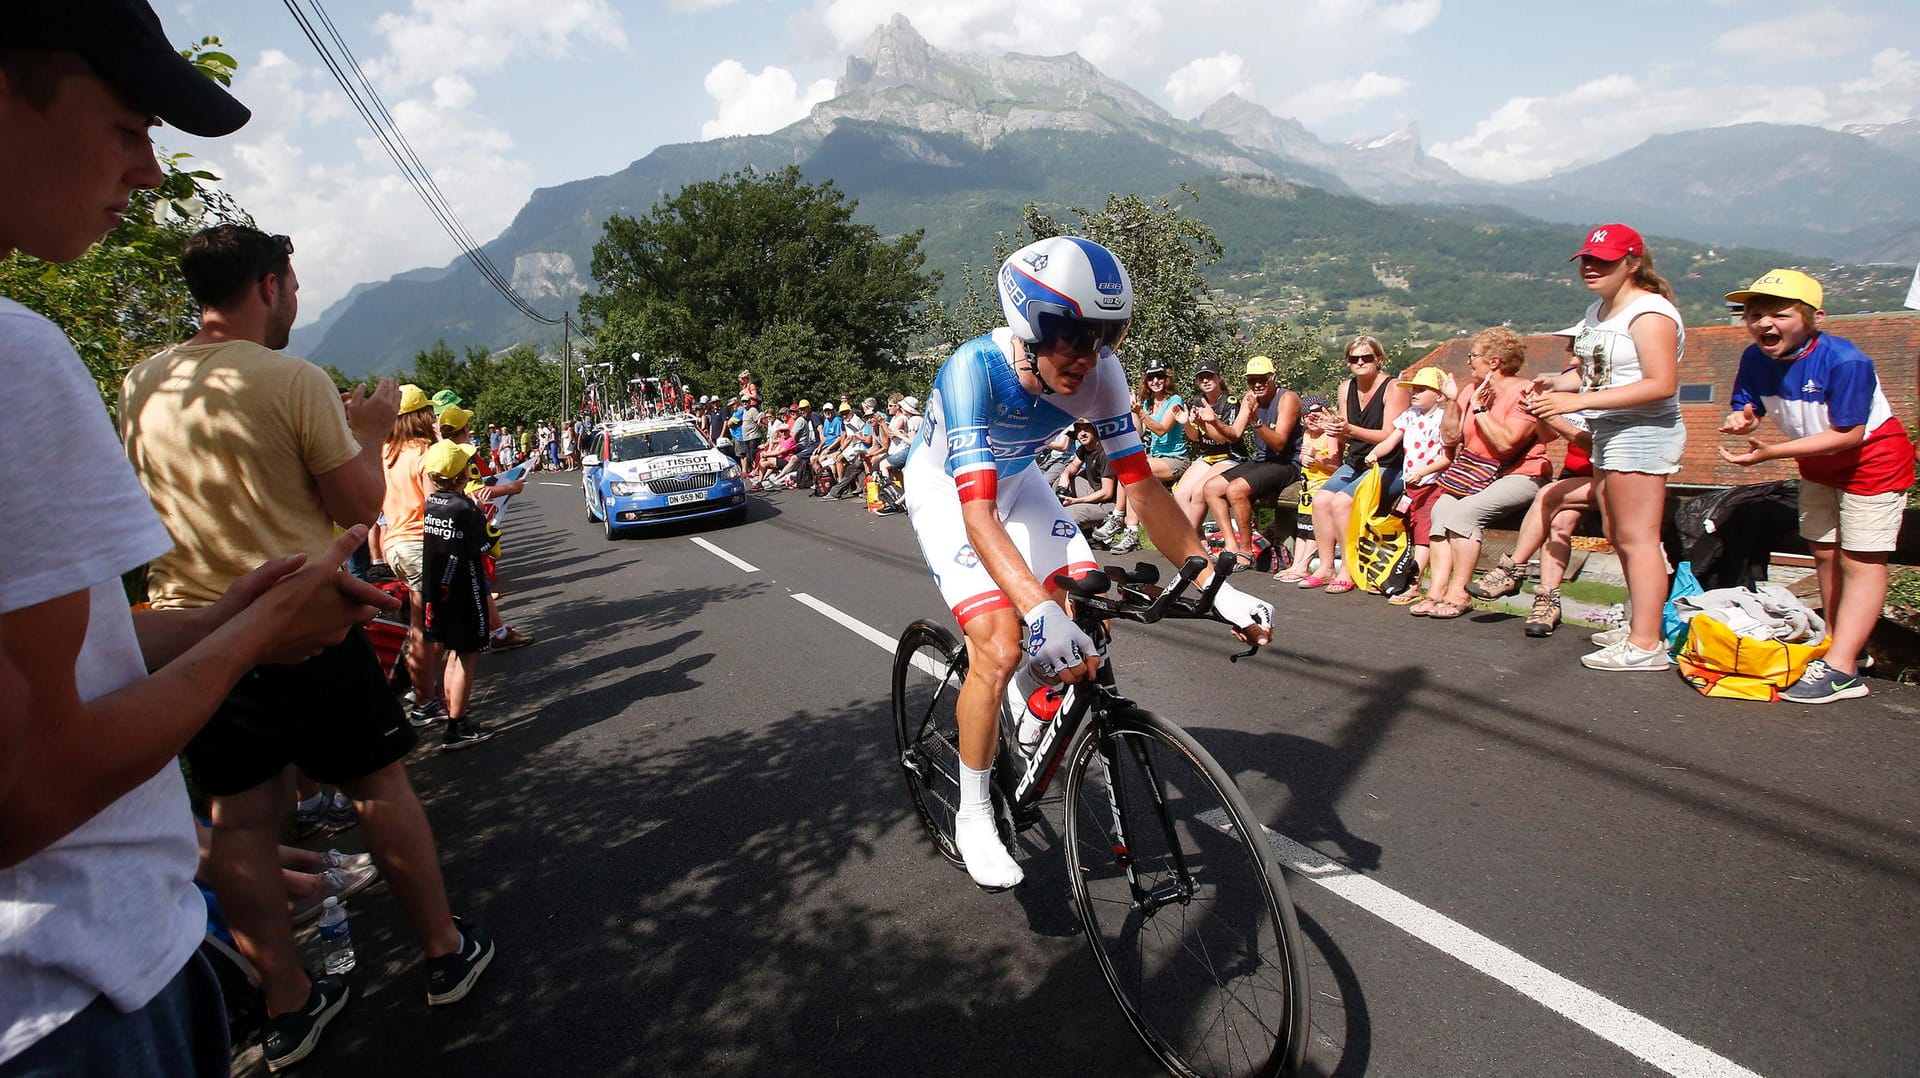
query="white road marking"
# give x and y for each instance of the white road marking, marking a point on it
(744, 567)
(881, 640)
(551, 483)
(1582, 1006)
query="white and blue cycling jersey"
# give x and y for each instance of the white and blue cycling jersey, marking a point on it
(983, 427)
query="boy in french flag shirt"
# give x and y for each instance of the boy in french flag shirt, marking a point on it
(1856, 461)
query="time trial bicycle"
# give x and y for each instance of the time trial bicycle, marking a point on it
(1181, 897)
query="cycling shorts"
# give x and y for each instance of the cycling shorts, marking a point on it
(1041, 529)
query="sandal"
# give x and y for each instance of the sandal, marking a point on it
(1424, 608)
(1311, 582)
(1405, 598)
(1290, 576)
(1340, 587)
(1445, 611)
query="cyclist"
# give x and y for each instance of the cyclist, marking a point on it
(990, 527)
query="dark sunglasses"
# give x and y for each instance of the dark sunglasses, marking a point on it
(1364, 357)
(1074, 335)
(285, 246)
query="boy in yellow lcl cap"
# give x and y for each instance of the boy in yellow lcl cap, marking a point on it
(1856, 461)
(455, 592)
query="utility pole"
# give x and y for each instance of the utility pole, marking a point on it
(566, 365)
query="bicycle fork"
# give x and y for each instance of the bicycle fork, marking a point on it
(1179, 888)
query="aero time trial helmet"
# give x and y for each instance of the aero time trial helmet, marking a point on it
(1066, 290)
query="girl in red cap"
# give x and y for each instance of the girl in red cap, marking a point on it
(1629, 347)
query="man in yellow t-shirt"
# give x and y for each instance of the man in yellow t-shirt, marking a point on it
(245, 452)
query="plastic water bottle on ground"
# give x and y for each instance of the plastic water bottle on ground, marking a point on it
(336, 941)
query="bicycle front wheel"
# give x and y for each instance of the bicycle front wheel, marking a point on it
(1183, 902)
(929, 667)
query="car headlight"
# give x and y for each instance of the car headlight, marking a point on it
(732, 471)
(627, 490)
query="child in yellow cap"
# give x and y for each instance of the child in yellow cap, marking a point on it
(455, 593)
(1856, 461)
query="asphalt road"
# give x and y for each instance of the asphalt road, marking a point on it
(693, 847)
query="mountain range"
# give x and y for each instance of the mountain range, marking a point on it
(956, 144)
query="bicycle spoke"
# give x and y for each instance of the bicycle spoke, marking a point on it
(1191, 930)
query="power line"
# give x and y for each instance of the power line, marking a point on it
(374, 112)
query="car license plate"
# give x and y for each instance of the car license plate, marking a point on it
(688, 496)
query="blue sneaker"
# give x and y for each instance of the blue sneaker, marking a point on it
(1822, 684)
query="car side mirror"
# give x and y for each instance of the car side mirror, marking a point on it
(590, 460)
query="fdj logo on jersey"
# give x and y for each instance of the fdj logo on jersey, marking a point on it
(966, 558)
(1064, 529)
(1110, 428)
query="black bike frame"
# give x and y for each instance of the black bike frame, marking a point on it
(1083, 703)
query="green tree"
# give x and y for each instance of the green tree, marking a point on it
(761, 271)
(523, 388)
(1178, 318)
(1301, 360)
(125, 299)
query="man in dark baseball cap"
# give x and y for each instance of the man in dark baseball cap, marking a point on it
(126, 45)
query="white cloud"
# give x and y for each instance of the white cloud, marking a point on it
(755, 104)
(1825, 31)
(1200, 82)
(438, 37)
(1529, 137)
(1336, 97)
(307, 166)
(698, 5)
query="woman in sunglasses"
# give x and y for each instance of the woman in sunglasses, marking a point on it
(1161, 415)
(1370, 401)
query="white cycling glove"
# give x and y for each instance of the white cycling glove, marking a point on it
(1240, 609)
(1054, 643)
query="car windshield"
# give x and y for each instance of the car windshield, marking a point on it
(657, 443)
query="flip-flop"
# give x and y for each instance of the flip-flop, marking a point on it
(1340, 587)
(1445, 611)
(1422, 609)
(1290, 576)
(1311, 582)
(1405, 598)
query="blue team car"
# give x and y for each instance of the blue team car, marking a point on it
(638, 472)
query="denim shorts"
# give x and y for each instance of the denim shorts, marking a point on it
(1650, 445)
(1347, 477)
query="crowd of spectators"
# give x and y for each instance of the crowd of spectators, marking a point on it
(242, 482)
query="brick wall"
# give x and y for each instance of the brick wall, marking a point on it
(1713, 358)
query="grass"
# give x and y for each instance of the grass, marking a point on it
(1592, 591)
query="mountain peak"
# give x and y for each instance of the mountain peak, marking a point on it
(901, 80)
(894, 53)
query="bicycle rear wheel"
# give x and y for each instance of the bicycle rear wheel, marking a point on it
(1183, 902)
(928, 669)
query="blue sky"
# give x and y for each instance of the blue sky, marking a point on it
(500, 97)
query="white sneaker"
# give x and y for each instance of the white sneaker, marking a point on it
(1626, 655)
(988, 862)
(1109, 527)
(1606, 638)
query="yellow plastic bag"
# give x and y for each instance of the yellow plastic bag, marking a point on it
(1720, 662)
(1376, 537)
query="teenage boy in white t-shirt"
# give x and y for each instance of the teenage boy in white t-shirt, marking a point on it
(99, 918)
